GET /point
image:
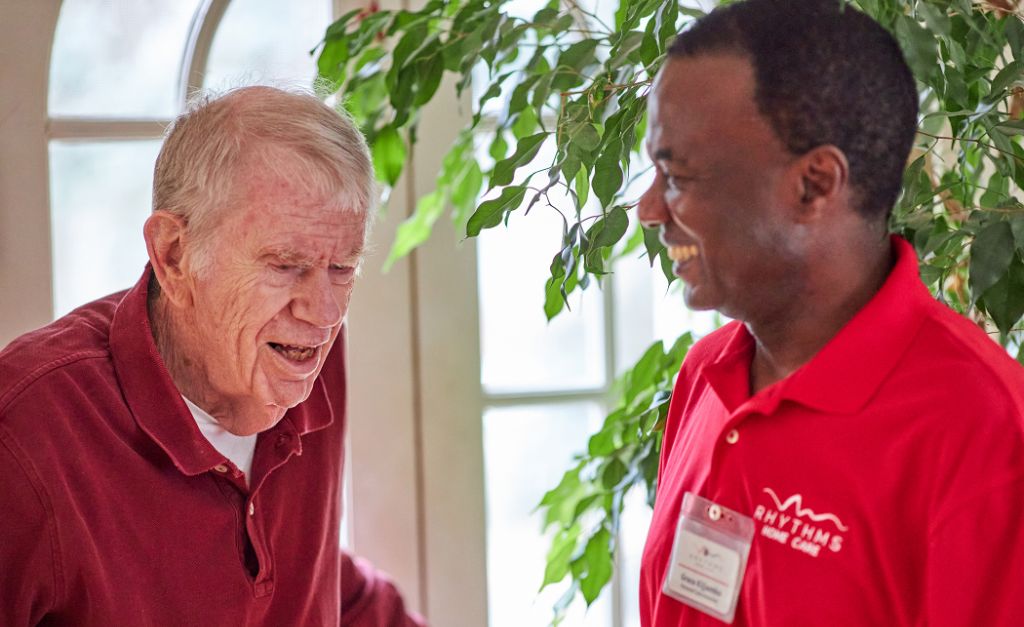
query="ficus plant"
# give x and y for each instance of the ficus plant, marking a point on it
(569, 79)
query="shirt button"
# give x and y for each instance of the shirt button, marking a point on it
(732, 437)
(252, 508)
(220, 468)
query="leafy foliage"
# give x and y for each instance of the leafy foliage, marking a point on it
(567, 79)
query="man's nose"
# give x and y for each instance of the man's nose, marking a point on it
(651, 208)
(317, 300)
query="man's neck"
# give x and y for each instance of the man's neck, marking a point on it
(164, 323)
(784, 343)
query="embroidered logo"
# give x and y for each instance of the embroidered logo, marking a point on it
(791, 523)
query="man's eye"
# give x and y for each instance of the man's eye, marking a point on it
(343, 273)
(284, 268)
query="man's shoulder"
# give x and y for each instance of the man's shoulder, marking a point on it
(83, 334)
(955, 357)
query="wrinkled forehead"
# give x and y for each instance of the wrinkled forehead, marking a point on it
(308, 178)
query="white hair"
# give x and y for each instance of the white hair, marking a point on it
(204, 147)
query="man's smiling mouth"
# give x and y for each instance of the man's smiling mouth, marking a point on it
(682, 254)
(294, 352)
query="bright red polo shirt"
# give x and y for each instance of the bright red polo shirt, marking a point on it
(885, 476)
(115, 510)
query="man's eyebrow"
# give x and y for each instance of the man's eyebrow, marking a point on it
(292, 256)
(288, 255)
(665, 154)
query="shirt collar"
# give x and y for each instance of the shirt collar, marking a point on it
(158, 406)
(847, 371)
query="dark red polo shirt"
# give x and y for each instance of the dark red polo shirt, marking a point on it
(885, 476)
(115, 510)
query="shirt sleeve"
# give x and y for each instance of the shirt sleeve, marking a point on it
(28, 573)
(370, 599)
(976, 557)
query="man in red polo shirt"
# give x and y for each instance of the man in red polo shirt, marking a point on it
(848, 451)
(172, 455)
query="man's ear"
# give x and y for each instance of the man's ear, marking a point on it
(165, 242)
(824, 179)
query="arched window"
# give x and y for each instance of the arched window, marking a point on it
(120, 72)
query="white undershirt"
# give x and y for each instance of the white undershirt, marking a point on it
(237, 448)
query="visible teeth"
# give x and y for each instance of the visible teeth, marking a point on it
(682, 253)
(296, 353)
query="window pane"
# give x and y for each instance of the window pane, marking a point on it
(119, 59)
(520, 350)
(267, 41)
(100, 195)
(636, 519)
(526, 451)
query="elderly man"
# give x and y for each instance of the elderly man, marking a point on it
(171, 455)
(848, 451)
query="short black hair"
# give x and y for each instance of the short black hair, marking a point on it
(824, 73)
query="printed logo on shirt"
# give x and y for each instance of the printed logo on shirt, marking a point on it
(790, 522)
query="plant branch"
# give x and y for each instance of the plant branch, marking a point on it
(974, 141)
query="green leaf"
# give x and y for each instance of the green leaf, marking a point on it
(1017, 226)
(490, 213)
(331, 62)
(545, 16)
(919, 47)
(935, 19)
(644, 373)
(607, 173)
(572, 62)
(431, 72)
(627, 51)
(653, 245)
(1015, 36)
(526, 123)
(416, 228)
(585, 136)
(499, 147)
(991, 254)
(520, 94)
(1012, 127)
(666, 266)
(561, 501)
(556, 291)
(602, 443)
(526, 150)
(563, 546)
(389, 154)
(613, 473)
(1013, 72)
(407, 45)
(665, 19)
(613, 227)
(465, 190)
(1004, 301)
(582, 185)
(597, 558)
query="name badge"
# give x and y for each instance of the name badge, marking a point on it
(709, 557)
